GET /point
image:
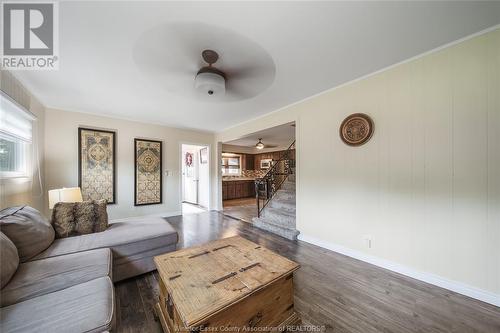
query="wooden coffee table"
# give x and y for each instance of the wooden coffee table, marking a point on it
(230, 282)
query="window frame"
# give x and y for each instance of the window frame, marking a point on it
(25, 147)
(226, 166)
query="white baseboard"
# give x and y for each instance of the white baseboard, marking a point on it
(436, 280)
(165, 214)
(176, 213)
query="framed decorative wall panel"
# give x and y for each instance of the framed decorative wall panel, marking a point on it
(96, 164)
(148, 187)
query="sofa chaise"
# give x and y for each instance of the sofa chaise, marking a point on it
(68, 286)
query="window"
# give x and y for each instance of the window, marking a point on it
(231, 164)
(15, 138)
(13, 157)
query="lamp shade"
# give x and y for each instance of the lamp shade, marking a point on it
(70, 194)
(259, 144)
(211, 84)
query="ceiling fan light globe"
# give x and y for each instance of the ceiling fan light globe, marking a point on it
(259, 145)
(210, 84)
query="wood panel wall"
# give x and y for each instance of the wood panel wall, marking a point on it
(275, 156)
(426, 187)
(252, 161)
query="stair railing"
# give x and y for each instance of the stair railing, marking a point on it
(267, 186)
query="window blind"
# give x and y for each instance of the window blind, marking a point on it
(15, 120)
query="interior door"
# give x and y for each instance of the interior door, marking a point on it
(191, 180)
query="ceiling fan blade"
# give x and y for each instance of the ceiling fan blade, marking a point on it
(156, 68)
(170, 56)
(245, 72)
(243, 88)
(168, 50)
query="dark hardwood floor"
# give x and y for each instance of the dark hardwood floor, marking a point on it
(334, 291)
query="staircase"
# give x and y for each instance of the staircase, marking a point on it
(276, 197)
(278, 216)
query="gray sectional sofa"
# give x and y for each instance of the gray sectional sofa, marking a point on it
(68, 287)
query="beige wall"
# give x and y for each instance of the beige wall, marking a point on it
(61, 143)
(25, 191)
(426, 188)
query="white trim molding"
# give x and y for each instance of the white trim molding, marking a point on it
(162, 215)
(458, 287)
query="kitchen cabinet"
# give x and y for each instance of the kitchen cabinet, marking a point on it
(249, 162)
(236, 189)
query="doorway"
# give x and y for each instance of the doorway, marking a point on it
(248, 159)
(195, 178)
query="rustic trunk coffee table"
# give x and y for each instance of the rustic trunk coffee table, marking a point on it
(227, 285)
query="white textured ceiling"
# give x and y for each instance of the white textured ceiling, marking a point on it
(278, 137)
(314, 46)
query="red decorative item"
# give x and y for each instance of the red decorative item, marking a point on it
(189, 159)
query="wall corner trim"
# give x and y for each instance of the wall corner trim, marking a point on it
(458, 287)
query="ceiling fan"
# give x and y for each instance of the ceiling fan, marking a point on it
(210, 80)
(261, 145)
(202, 62)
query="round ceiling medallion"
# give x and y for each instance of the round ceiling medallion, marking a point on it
(356, 129)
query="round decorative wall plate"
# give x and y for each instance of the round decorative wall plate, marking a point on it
(356, 129)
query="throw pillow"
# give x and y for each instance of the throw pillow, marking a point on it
(30, 232)
(63, 219)
(9, 259)
(79, 218)
(101, 215)
(85, 217)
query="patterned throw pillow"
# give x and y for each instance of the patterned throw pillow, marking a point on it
(79, 218)
(101, 215)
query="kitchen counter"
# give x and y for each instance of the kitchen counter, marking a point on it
(233, 179)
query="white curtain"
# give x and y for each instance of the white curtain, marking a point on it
(15, 120)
